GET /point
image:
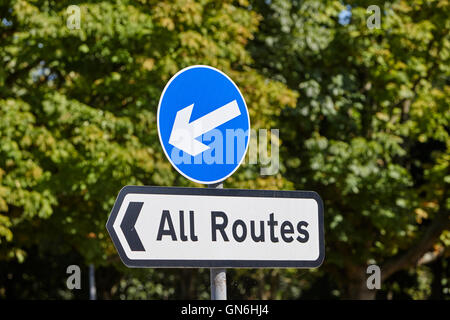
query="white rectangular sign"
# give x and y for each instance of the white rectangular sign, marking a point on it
(200, 227)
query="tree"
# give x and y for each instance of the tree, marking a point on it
(370, 131)
(78, 110)
(363, 118)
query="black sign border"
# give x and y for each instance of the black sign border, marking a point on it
(157, 263)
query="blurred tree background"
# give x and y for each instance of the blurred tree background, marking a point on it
(363, 116)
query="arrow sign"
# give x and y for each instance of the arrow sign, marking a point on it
(184, 132)
(203, 124)
(217, 228)
(128, 223)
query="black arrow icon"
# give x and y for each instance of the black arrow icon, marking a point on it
(128, 223)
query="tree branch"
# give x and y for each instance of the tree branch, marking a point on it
(412, 256)
(431, 256)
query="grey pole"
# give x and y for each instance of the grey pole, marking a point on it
(218, 275)
(92, 289)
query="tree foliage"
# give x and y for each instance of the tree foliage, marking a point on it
(363, 117)
(370, 129)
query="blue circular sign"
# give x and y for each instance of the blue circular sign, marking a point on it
(203, 124)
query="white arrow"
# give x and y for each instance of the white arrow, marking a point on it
(184, 134)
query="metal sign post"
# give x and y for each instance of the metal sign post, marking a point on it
(92, 289)
(218, 275)
(218, 284)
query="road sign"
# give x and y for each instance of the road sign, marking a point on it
(217, 228)
(203, 124)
